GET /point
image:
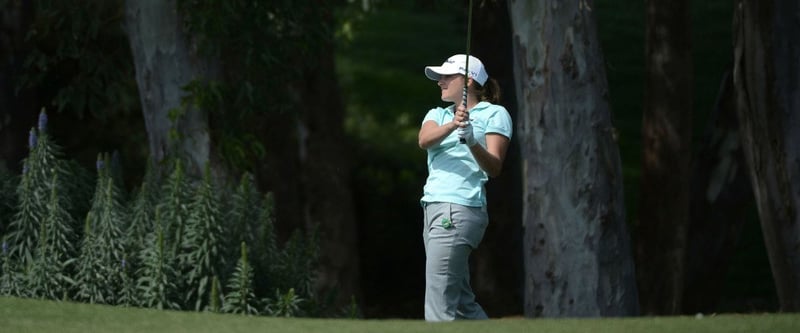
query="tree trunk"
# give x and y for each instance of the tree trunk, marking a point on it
(766, 77)
(323, 158)
(577, 254)
(720, 199)
(666, 155)
(497, 268)
(164, 65)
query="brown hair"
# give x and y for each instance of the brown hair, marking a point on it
(489, 92)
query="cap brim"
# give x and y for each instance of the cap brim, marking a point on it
(435, 72)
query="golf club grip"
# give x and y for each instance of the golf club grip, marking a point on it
(464, 104)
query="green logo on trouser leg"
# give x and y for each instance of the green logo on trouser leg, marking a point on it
(446, 223)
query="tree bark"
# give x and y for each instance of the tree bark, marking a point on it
(577, 253)
(497, 267)
(164, 65)
(666, 155)
(720, 199)
(324, 159)
(766, 77)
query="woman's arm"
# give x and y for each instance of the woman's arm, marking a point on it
(491, 158)
(431, 134)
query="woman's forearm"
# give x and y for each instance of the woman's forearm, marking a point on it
(431, 134)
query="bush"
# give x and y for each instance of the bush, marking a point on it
(163, 249)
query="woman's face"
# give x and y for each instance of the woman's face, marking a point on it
(452, 87)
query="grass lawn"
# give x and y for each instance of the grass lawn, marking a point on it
(24, 315)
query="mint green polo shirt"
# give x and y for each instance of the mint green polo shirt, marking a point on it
(453, 173)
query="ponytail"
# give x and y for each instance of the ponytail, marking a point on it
(490, 92)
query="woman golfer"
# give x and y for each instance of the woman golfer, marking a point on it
(466, 144)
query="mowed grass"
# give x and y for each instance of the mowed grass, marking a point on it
(25, 315)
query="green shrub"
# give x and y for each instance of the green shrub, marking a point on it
(42, 224)
(102, 258)
(11, 283)
(165, 248)
(174, 205)
(241, 297)
(156, 283)
(202, 245)
(49, 276)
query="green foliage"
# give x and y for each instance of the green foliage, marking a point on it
(203, 244)
(268, 244)
(157, 276)
(262, 50)
(43, 170)
(291, 267)
(11, 280)
(266, 251)
(170, 255)
(241, 298)
(128, 295)
(142, 210)
(23, 231)
(242, 217)
(91, 287)
(284, 305)
(174, 205)
(142, 223)
(215, 297)
(297, 263)
(80, 186)
(49, 276)
(100, 271)
(78, 48)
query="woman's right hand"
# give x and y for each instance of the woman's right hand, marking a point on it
(461, 117)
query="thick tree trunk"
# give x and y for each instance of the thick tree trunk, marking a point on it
(577, 254)
(497, 268)
(666, 155)
(766, 77)
(164, 65)
(324, 159)
(720, 199)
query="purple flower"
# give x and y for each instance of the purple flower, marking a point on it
(124, 263)
(42, 121)
(5, 247)
(100, 163)
(32, 139)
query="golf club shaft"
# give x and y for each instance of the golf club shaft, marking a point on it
(466, 65)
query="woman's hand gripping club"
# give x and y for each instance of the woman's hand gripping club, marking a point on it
(464, 131)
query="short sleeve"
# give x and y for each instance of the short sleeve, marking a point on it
(500, 122)
(434, 114)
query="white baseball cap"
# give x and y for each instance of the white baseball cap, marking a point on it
(455, 65)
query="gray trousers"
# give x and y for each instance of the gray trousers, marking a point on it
(450, 234)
